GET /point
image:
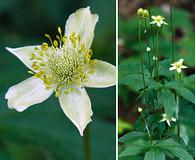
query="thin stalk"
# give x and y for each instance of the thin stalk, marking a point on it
(178, 112)
(141, 58)
(172, 30)
(153, 51)
(157, 54)
(147, 128)
(86, 144)
(149, 58)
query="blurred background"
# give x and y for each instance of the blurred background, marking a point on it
(184, 36)
(43, 132)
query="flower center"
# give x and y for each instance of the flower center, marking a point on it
(159, 18)
(63, 65)
(178, 65)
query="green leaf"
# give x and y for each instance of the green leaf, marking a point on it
(182, 91)
(174, 148)
(164, 68)
(131, 75)
(167, 99)
(154, 154)
(167, 144)
(132, 136)
(180, 153)
(135, 148)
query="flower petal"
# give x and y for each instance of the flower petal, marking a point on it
(82, 22)
(181, 61)
(104, 75)
(24, 54)
(77, 107)
(168, 122)
(29, 92)
(183, 67)
(179, 70)
(172, 68)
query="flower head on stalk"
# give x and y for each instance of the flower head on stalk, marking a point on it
(178, 66)
(64, 67)
(143, 13)
(158, 20)
(167, 120)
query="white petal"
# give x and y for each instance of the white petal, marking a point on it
(24, 54)
(29, 92)
(179, 70)
(173, 119)
(181, 61)
(162, 120)
(82, 22)
(184, 67)
(104, 75)
(153, 22)
(158, 24)
(153, 17)
(172, 68)
(77, 107)
(168, 122)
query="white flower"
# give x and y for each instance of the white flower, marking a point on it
(148, 49)
(165, 118)
(140, 109)
(178, 66)
(154, 58)
(64, 68)
(158, 20)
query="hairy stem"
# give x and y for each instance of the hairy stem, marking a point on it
(141, 58)
(149, 58)
(86, 144)
(172, 30)
(147, 128)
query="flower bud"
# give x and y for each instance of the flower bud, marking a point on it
(140, 109)
(148, 49)
(140, 12)
(145, 13)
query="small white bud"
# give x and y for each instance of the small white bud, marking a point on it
(148, 49)
(140, 109)
(154, 58)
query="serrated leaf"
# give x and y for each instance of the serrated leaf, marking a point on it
(182, 91)
(154, 154)
(164, 68)
(167, 99)
(174, 148)
(131, 75)
(135, 148)
(132, 136)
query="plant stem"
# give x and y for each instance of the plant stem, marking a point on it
(178, 116)
(178, 112)
(147, 129)
(149, 58)
(172, 30)
(141, 58)
(157, 53)
(86, 144)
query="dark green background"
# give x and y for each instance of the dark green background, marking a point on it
(43, 132)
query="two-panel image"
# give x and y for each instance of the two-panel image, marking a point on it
(97, 80)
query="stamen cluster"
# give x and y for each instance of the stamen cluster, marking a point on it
(64, 64)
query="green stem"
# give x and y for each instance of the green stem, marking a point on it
(86, 144)
(147, 128)
(149, 58)
(172, 30)
(141, 58)
(178, 112)
(157, 54)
